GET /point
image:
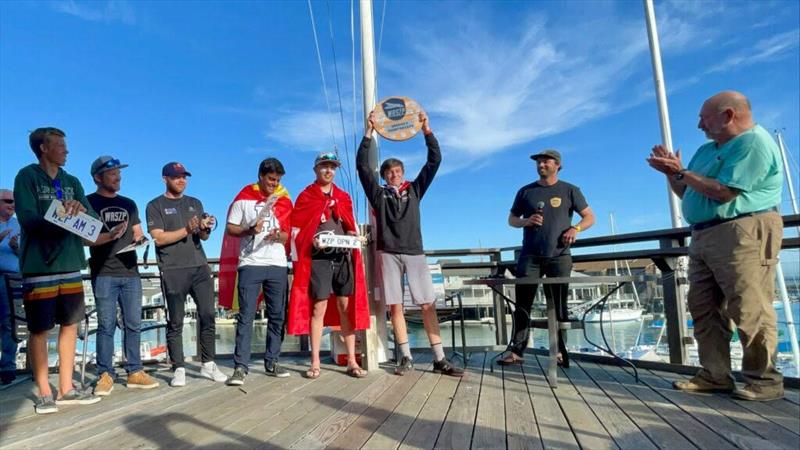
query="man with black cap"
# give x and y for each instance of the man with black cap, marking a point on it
(178, 225)
(544, 209)
(115, 277)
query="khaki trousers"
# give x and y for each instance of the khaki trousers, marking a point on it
(732, 283)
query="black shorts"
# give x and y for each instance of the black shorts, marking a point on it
(53, 299)
(331, 276)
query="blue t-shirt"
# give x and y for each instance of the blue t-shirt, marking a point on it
(750, 163)
(9, 262)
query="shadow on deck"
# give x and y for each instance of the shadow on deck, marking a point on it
(595, 406)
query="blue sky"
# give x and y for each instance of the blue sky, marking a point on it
(219, 86)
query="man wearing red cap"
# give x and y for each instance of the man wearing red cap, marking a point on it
(322, 274)
(178, 225)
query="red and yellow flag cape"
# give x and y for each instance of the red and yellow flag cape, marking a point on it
(229, 255)
(310, 205)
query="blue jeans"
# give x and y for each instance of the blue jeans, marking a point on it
(8, 361)
(127, 292)
(252, 280)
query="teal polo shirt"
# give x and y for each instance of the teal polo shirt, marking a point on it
(750, 163)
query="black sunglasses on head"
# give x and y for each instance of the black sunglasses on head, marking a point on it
(111, 163)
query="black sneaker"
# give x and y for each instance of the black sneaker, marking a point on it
(237, 379)
(8, 376)
(273, 369)
(406, 364)
(445, 367)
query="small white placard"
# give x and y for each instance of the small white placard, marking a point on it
(339, 241)
(133, 246)
(81, 224)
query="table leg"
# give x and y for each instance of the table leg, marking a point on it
(552, 332)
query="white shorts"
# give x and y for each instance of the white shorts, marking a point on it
(415, 267)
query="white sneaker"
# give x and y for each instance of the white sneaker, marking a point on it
(212, 372)
(178, 377)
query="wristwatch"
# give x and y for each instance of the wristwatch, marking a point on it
(577, 228)
(679, 174)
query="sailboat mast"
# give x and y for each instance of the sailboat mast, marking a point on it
(377, 334)
(783, 292)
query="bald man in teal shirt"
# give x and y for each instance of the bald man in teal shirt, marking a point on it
(730, 192)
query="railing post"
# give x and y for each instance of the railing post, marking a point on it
(674, 306)
(501, 334)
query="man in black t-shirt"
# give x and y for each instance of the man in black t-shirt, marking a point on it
(115, 277)
(544, 209)
(178, 225)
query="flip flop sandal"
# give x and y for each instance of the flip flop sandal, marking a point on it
(356, 372)
(312, 373)
(510, 360)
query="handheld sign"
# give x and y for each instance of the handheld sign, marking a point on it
(397, 118)
(80, 224)
(327, 240)
(133, 246)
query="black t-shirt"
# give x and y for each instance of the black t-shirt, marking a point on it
(331, 225)
(104, 258)
(559, 202)
(173, 214)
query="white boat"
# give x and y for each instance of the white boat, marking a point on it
(615, 315)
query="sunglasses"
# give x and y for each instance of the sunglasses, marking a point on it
(9, 201)
(57, 187)
(110, 163)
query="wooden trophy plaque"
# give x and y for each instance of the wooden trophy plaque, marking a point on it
(397, 118)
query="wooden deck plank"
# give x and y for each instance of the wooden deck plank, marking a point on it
(425, 430)
(75, 424)
(726, 429)
(651, 424)
(764, 428)
(262, 397)
(327, 431)
(621, 428)
(521, 430)
(316, 408)
(793, 396)
(357, 434)
(394, 429)
(689, 427)
(456, 433)
(554, 427)
(168, 424)
(580, 419)
(490, 422)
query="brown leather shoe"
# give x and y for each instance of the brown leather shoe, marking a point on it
(104, 385)
(759, 393)
(698, 384)
(141, 380)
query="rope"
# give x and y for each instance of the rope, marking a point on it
(348, 175)
(322, 74)
(356, 198)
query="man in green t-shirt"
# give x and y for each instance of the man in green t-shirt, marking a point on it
(730, 194)
(51, 260)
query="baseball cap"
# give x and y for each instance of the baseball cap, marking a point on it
(327, 157)
(174, 169)
(549, 153)
(104, 163)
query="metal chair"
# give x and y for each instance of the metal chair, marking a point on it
(452, 311)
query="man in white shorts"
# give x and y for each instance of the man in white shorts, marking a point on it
(396, 206)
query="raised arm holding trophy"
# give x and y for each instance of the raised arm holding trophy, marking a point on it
(399, 235)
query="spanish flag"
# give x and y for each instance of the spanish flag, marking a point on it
(229, 255)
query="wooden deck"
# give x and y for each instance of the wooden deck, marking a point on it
(594, 407)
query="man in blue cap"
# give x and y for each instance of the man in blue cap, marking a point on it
(115, 277)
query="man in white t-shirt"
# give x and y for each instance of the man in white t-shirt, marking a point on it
(259, 218)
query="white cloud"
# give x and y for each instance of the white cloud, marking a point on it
(110, 11)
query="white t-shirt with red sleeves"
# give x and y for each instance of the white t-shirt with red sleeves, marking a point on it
(255, 250)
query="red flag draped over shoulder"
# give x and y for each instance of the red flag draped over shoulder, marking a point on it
(229, 255)
(310, 205)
